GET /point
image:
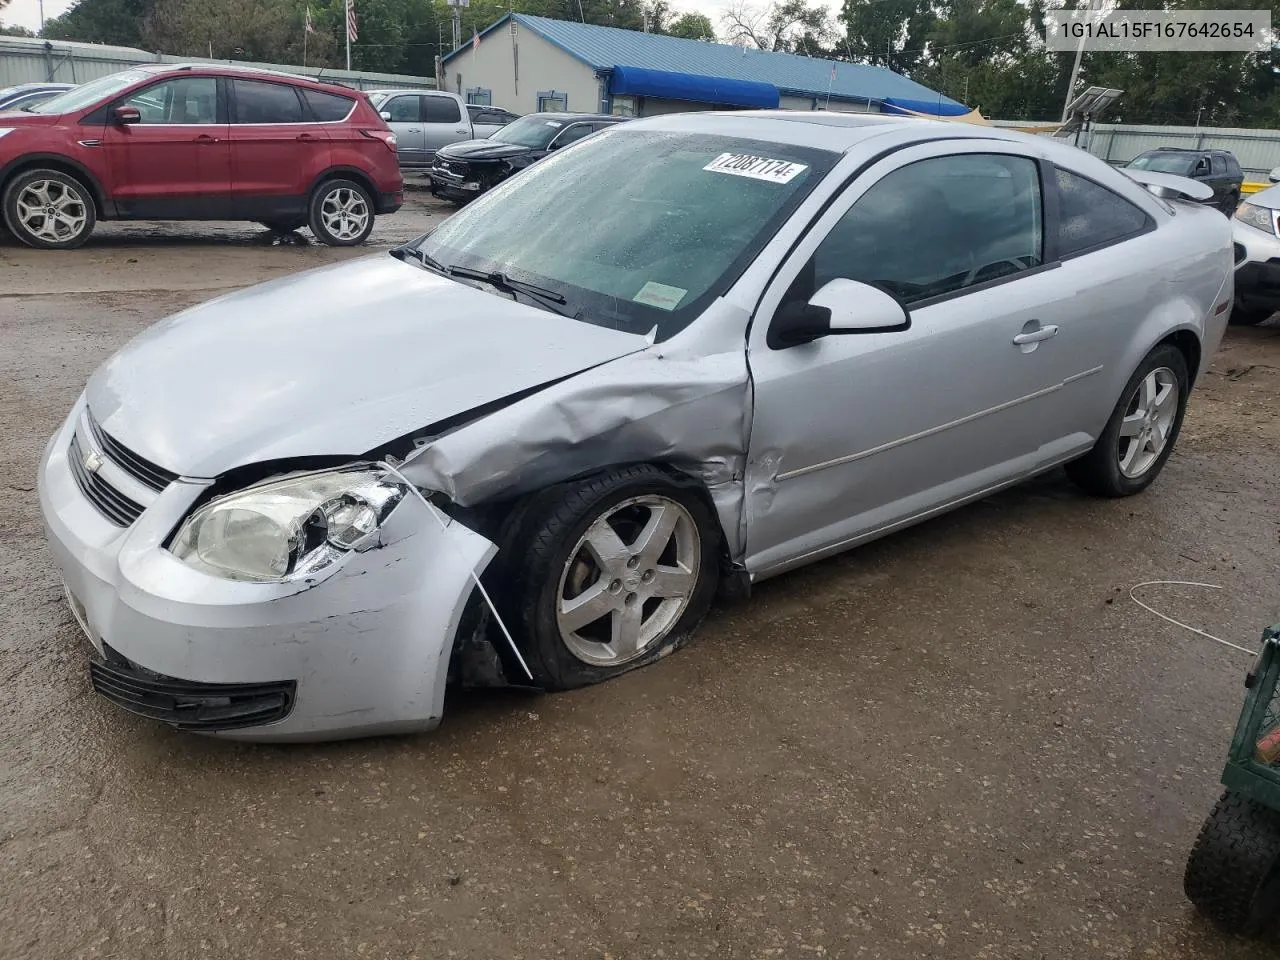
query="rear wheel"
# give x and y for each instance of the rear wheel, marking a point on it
(1143, 428)
(1233, 873)
(49, 209)
(341, 213)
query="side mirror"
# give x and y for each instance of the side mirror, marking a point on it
(385, 114)
(840, 307)
(127, 115)
(1274, 175)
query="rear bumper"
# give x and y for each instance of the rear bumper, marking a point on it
(390, 202)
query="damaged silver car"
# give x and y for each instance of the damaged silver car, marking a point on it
(680, 357)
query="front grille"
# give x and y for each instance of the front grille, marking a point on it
(113, 504)
(144, 471)
(186, 704)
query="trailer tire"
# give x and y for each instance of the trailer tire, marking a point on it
(1232, 874)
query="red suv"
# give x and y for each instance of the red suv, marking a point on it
(198, 142)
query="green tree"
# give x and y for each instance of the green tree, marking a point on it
(101, 21)
(692, 26)
(886, 33)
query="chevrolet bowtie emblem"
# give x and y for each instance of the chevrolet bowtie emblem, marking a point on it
(93, 461)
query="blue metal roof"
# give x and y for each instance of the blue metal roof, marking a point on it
(604, 48)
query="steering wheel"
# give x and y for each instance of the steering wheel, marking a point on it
(1017, 263)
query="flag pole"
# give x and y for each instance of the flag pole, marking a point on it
(348, 26)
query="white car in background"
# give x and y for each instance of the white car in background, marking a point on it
(1256, 235)
(529, 447)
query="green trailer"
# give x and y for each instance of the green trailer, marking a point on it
(1233, 873)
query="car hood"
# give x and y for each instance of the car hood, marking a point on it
(330, 362)
(482, 150)
(1269, 198)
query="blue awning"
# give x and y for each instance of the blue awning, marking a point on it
(639, 81)
(938, 109)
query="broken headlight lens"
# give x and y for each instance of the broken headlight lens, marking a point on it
(288, 528)
(1261, 217)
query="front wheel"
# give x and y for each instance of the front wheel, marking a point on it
(49, 209)
(341, 213)
(1233, 873)
(1143, 428)
(612, 572)
(1229, 203)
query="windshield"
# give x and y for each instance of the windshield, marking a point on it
(532, 131)
(87, 94)
(648, 249)
(1178, 163)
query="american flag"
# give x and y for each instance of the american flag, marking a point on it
(351, 21)
(475, 40)
(309, 27)
(832, 78)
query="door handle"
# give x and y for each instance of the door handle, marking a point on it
(460, 131)
(205, 138)
(413, 130)
(304, 136)
(1035, 336)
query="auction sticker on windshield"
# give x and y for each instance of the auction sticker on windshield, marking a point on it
(660, 295)
(757, 168)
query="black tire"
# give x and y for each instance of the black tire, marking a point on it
(1232, 874)
(76, 200)
(1098, 471)
(333, 190)
(284, 226)
(544, 542)
(1229, 203)
(1242, 316)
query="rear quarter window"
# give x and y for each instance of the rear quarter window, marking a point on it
(1091, 217)
(327, 107)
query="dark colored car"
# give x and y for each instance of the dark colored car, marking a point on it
(26, 95)
(462, 171)
(197, 142)
(1218, 169)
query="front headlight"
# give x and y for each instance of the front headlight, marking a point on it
(289, 528)
(1261, 217)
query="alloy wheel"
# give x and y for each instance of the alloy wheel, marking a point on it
(345, 213)
(1148, 422)
(52, 211)
(628, 580)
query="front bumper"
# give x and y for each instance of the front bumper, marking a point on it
(362, 649)
(1257, 259)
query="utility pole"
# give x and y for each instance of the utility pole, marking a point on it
(1075, 69)
(41, 16)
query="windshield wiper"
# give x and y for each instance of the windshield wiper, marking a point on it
(425, 259)
(501, 281)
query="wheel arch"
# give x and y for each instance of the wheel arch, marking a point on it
(344, 173)
(1187, 342)
(63, 164)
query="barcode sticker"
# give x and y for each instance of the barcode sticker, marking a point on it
(757, 168)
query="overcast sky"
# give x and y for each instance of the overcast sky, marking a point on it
(26, 13)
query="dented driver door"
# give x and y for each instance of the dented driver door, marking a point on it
(856, 434)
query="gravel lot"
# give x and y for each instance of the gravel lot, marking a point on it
(962, 741)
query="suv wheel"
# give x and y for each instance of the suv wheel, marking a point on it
(49, 209)
(341, 213)
(1229, 203)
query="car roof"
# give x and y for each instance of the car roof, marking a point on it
(234, 69)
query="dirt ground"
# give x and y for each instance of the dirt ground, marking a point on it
(963, 741)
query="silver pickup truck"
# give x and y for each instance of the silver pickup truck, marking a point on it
(426, 120)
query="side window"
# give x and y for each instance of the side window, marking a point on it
(937, 226)
(327, 107)
(1219, 164)
(260, 102)
(440, 110)
(572, 133)
(184, 100)
(403, 109)
(1091, 216)
(1201, 169)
